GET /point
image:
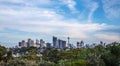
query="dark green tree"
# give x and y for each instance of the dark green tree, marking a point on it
(3, 51)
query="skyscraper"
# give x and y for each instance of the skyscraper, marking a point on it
(48, 45)
(23, 43)
(37, 43)
(29, 42)
(20, 44)
(78, 44)
(42, 43)
(81, 44)
(59, 44)
(55, 42)
(63, 44)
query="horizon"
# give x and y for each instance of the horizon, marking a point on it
(91, 21)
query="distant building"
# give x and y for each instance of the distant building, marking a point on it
(70, 46)
(20, 44)
(48, 45)
(37, 43)
(42, 43)
(55, 42)
(33, 44)
(81, 44)
(29, 42)
(23, 43)
(59, 44)
(78, 44)
(63, 44)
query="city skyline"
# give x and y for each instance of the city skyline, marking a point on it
(87, 20)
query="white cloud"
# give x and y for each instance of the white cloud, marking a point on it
(45, 20)
(107, 37)
(111, 8)
(92, 7)
(30, 2)
(70, 4)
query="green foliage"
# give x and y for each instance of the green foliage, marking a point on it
(51, 55)
(23, 50)
(3, 51)
(46, 63)
(32, 51)
(16, 63)
(9, 55)
(112, 57)
(79, 62)
(97, 56)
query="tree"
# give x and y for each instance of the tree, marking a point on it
(52, 55)
(9, 55)
(94, 56)
(112, 57)
(3, 51)
(32, 50)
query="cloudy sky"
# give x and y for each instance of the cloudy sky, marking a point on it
(88, 20)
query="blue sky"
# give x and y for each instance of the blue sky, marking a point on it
(88, 20)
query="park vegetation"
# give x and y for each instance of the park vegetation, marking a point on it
(99, 55)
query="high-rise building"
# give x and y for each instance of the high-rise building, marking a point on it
(37, 43)
(48, 45)
(23, 43)
(30, 43)
(81, 44)
(20, 44)
(59, 44)
(78, 44)
(63, 44)
(42, 43)
(55, 42)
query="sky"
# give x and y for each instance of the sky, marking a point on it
(89, 20)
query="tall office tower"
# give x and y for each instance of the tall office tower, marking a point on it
(20, 44)
(78, 44)
(81, 44)
(63, 44)
(37, 43)
(59, 44)
(32, 43)
(29, 42)
(42, 43)
(55, 42)
(23, 43)
(48, 45)
(101, 43)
